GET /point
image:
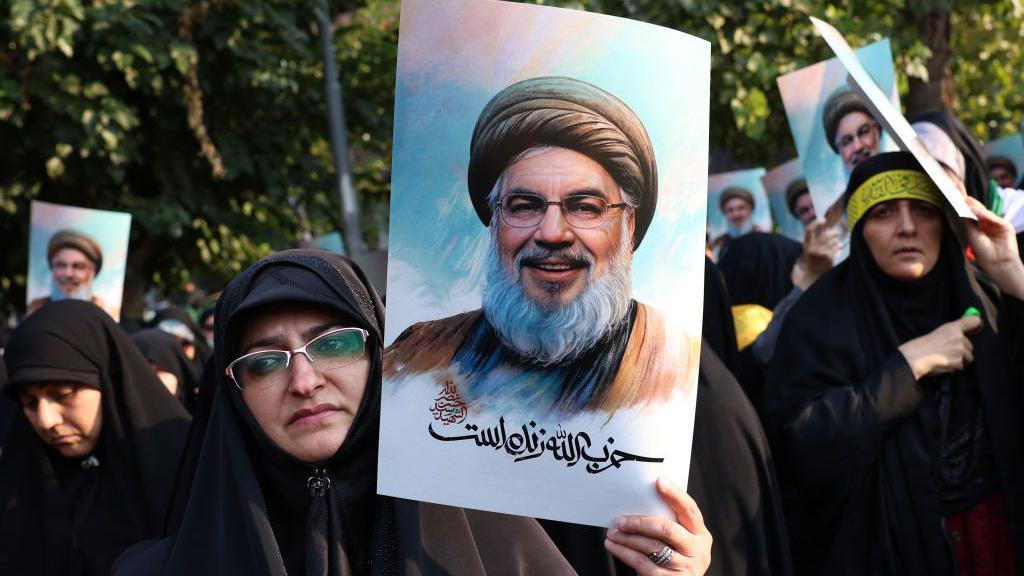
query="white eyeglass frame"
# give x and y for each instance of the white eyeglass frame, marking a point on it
(230, 373)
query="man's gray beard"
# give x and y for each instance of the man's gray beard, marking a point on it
(81, 292)
(551, 335)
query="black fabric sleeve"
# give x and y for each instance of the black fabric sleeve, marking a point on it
(1012, 322)
(836, 434)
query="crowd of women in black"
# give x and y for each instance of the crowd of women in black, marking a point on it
(881, 435)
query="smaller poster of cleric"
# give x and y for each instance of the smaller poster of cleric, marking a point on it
(833, 126)
(77, 253)
(737, 205)
(546, 260)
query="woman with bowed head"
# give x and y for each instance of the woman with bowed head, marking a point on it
(86, 468)
(170, 364)
(285, 479)
(894, 400)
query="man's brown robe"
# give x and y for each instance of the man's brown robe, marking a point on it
(645, 373)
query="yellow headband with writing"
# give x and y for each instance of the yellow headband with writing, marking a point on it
(891, 185)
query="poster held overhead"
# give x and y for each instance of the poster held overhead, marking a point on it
(892, 120)
(833, 128)
(549, 170)
(77, 253)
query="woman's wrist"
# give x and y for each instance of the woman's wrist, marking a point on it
(1009, 279)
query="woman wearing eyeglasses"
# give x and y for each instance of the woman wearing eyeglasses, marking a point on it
(86, 466)
(285, 479)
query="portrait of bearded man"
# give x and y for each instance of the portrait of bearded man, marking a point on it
(850, 128)
(74, 259)
(563, 175)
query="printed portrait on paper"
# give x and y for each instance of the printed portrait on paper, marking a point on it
(546, 239)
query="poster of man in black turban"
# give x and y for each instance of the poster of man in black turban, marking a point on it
(544, 282)
(77, 254)
(834, 128)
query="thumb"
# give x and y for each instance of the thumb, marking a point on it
(970, 324)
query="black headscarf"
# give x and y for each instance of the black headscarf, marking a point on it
(862, 448)
(203, 352)
(757, 268)
(164, 351)
(252, 508)
(732, 479)
(63, 516)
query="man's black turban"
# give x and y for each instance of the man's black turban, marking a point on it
(736, 192)
(567, 113)
(842, 102)
(78, 241)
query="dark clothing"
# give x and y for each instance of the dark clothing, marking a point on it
(8, 409)
(719, 328)
(252, 508)
(871, 460)
(64, 517)
(732, 479)
(203, 352)
(164, 351)
(757, 268)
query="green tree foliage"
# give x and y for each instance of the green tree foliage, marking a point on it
(755, 41)
(989, 67)
(204, 119)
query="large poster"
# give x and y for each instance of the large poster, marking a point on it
(737, 204)
(77, 253)
(887, 112)
(789, 198)
(546, 260)
(833, 126)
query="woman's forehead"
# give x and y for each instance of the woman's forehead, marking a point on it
(47, 387)
(289, 319)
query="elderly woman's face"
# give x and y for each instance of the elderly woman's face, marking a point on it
(904, 237)
(66, 415)
(308, 411)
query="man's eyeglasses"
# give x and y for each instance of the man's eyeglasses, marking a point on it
(329, 351)
(583, 211)
(74, 266)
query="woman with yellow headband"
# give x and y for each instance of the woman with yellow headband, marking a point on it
(894, 400)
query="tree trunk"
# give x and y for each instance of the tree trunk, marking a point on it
(934, 29)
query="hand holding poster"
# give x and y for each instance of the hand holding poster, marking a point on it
(77, 253)
(545, 274)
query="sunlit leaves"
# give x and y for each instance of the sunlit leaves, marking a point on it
(92, 102)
